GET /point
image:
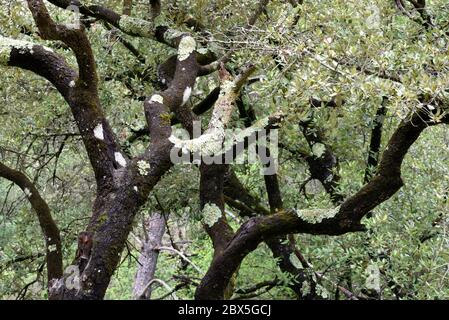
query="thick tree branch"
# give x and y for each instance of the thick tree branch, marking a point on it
(38, 59)
(129, 25)
(79, 91)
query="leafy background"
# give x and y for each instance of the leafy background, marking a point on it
(408, 237)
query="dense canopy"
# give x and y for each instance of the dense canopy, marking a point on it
(104, 105)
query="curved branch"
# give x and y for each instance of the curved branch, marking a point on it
(72, 36)
(38, 59)
(80, 92)
(46, 222)
(182, 256)
(323, 165)
(129, 25)
(164, 284)
(150, 166)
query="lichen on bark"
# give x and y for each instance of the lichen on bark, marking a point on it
(143, 167)
(157, 98)
(136, 26)
(186, 46)
(317, 215)
(211, 214)
(7, 45)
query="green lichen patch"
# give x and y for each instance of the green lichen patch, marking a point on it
(202, 50)
(166, 118)
(209, 143)
(211, 214)
(135, 26)
(373, 279)
(227, 86)
(318, 149)
(321, 291)
(143, 167)
(102, 218)
(186, 46)
(317, 215)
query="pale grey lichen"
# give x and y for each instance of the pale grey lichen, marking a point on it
(317, 215)
(27, 192)
(120, 159)
(186, 46)
(321, 291)
(157, 98)
(373, 279)
(6, 46)
(209, 143)
(202, 50)
(211, 214)
(98, 132)
(318, 149)
(52, 248)
(72, 84)
(226, 87)
(143, 167)
(212, 142)
(136, 26)
(186, 95)
(314, 186)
